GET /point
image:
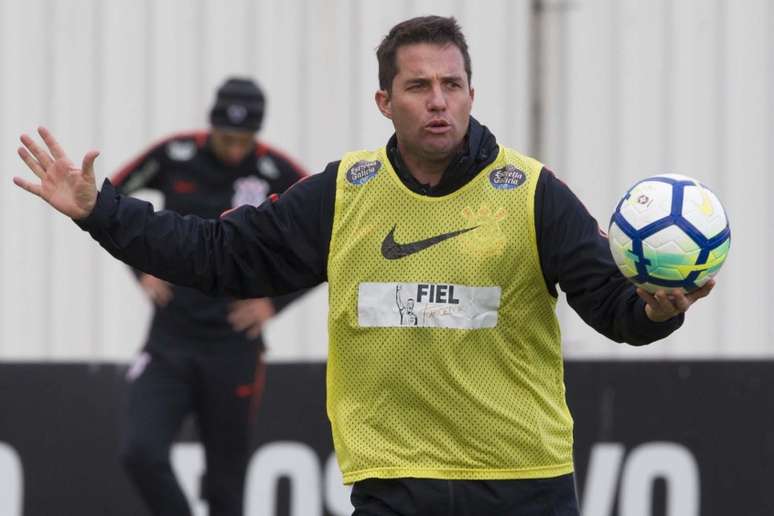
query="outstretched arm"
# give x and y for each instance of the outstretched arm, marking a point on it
(279, 247)
(575, 255)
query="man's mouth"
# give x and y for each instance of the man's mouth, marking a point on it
(438, 126)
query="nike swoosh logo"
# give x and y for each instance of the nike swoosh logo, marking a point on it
(392, 250)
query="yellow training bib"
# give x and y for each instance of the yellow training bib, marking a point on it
(444, 357)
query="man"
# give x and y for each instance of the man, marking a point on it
(203, 354)
(463, 413)
(407, 315)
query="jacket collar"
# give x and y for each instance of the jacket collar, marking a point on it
(478, 151)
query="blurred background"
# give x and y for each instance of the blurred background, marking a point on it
(604, 92)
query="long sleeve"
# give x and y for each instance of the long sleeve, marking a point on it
(277, 248)
(574, 254)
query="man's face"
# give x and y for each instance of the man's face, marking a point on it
(430, 101)
(232, 146)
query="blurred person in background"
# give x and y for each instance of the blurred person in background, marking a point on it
(203, 355)
(444, 251)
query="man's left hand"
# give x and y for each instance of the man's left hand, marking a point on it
(249, 315)
(664, 305)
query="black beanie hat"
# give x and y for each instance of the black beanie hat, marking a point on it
(238, 105)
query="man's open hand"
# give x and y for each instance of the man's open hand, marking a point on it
(68, 189)
(664, 305)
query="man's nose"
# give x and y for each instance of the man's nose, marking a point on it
(437, 99)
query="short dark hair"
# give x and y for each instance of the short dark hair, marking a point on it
(424, 29)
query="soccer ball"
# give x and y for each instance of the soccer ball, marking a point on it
(669, 231)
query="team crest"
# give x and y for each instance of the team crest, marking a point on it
(488, 239)
(236, 113)
(249, 190)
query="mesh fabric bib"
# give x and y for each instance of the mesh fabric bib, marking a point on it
(444, 357)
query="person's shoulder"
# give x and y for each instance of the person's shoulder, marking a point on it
(197, 137)
(551, 189)
(181, 145)
(521, 159)
(552, 183)
(265, 150)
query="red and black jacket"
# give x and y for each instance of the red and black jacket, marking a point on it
(192, 181)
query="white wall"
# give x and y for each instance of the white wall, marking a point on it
(672, 86)
(631, 88)
(115, 75)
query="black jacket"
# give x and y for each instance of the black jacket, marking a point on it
(282, 246)
(193, 181)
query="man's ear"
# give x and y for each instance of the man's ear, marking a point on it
(383, 102)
